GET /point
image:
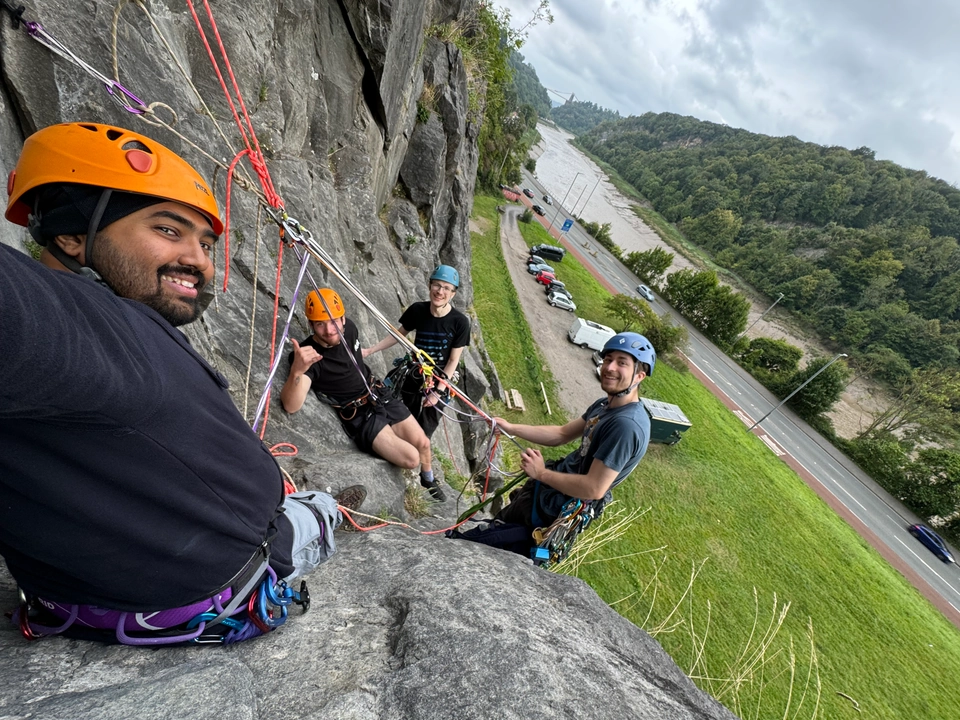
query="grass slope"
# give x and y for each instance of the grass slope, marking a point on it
(721, 499)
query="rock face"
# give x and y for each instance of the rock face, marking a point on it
(364, 118)
(401, 627)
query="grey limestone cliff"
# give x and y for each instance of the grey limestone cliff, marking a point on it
(402, 626)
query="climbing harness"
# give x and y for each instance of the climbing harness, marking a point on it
(259, 605)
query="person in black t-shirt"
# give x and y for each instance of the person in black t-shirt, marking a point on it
(442, 332)
(330, 363)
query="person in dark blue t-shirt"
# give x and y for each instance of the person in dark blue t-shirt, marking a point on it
(613, 432)
(129, 482)
(442, 332)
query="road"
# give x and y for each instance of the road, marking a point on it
(879, 518)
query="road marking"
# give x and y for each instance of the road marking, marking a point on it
(746, 419)
(777, 450)
(945, 581)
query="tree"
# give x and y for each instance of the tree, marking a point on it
(725, 316)
(714, 309)
(922, 406)
(932, 483)
(774, 356)
(631, 312)
(715, 230)
(820, 395)
(649, 265)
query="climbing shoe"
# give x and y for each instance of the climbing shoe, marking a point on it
(352, 497)
(434, 489)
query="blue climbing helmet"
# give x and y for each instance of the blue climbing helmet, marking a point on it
(447, 274)
(635, 345)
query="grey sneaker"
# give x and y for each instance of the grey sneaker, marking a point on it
(434, 488)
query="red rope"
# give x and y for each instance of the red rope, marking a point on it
(253, 152)
(277, 452)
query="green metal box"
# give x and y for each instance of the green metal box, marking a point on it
(666, 421)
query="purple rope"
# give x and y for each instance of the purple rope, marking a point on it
(45, 629)
(283, 340)
(166, 640)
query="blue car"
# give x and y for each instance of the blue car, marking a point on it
(934, 542)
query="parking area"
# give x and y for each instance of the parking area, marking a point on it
(570, 365)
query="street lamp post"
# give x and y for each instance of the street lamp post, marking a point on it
(759, 318)
(578, 200)
(809, 380)
(557, 213)
(589, 196)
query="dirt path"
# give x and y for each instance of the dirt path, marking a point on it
(570, 365)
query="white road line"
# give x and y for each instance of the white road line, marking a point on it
(945, 581)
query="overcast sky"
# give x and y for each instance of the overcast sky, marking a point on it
(881, 73)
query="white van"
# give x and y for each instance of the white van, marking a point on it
(589, 334)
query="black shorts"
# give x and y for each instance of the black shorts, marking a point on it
(371, 418)
(412, 395)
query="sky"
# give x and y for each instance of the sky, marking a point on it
(879, 73)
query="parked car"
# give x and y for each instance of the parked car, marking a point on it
(528, 192)
(547, 200)
(540, 267)
(535, 260)
(545, 278)
(645, 292)
(587, 333)
(561, 301)
(934, 542)
(538, 210)
(556, 285)
(551, 252)
(597, 362)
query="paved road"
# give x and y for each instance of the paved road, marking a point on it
(877, 516)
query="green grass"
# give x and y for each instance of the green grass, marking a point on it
(721, 499)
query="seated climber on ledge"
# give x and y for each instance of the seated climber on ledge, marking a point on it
(442, 332)
(136, 504)
(330, 363)
(613, 433)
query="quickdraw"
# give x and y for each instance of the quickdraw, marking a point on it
(556, 541)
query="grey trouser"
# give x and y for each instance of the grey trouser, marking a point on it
(314, 517)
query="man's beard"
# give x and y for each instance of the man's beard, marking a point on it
(130, 281)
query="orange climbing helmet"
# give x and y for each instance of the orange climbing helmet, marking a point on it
(318, 304)
(106, 157)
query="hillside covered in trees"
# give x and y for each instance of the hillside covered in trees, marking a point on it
(578, 117)
(529, 90)
(863, 249)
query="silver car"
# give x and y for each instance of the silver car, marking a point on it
(645, 292)
(561, 301)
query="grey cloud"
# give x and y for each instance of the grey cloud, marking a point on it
(588, 16)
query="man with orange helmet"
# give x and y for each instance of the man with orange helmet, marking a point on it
(129, 482)
(331, 364)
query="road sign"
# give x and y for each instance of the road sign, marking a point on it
(567, 224)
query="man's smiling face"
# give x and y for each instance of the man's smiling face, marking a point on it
(160, 256)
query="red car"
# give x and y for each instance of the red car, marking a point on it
(545, 278)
